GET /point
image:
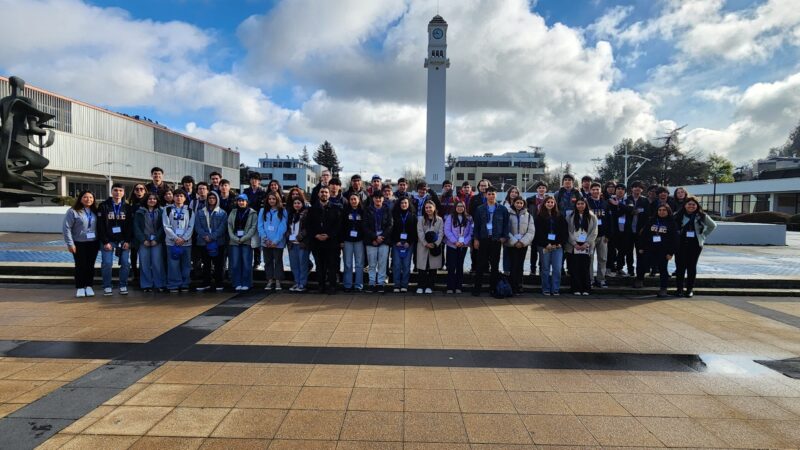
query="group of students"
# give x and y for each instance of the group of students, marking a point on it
(206, 230)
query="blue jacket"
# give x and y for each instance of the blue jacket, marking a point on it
(213, 224)
(272, 227)
(499, 222)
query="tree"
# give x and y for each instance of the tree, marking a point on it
(553, 178)
(720, 169)
(681, 167)
(791, 147)
(451, 161)
(413, 176)
(325, 156)
(304, 155)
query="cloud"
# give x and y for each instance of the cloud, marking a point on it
(728, 94)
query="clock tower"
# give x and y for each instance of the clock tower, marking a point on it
(437, 64)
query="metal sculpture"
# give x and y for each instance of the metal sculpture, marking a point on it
(22, 124)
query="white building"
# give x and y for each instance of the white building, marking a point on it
(94, 147)
(437, 64)
(289, 172)
(521, 169)
(781, 195)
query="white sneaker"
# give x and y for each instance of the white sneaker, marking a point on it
(238, 288)
(81, 293)
(219, 288)
(396, 290)
(268, 286)
(260, 266)
(293, 288)
(403, 289)
(278, 286)
(123, 290)
(449, 291)
(428, 291)
(419, 291)
(585, 293)
(458, 291)
(89, 292)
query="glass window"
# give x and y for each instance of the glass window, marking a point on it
(460, 176)
(471, 176)
(289, 177)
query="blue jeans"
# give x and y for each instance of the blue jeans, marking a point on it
(298, 261)
(455, 267)
(151, 267)
(241, 265)
(401, 267)
(353, 251)
(550, 262)
(377, 257)
(178, 270)
(107, 262)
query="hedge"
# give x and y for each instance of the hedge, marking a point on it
(763, 217)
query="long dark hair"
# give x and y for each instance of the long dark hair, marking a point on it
(682, 212)
(454, 215)
(278, 205)
(544, 212)
(132, 200)
(294, 215)
(78, 205)
(578, 217)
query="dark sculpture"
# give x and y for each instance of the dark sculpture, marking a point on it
(21, 168)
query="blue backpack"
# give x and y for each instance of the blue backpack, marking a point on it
(503, 288)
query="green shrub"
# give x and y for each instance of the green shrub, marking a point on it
(794, 219)
(64, 201)
(763, 217)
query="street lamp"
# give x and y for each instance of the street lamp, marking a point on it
(108, 175)
(639, 164)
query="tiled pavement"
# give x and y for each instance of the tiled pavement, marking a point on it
(729, 402)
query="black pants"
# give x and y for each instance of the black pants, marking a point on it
(624, 248)
(327, 261)
(455, 270)
(686, 262)
(534, 259)
(85, 256)
(426, 278)
(581, 273)
(653, 257)
(611, 256)
(517, 256)
(135, 262)
(215, 265)
(197, 261)
(256, 257)
(488, 255)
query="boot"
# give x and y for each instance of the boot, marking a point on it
(689, 290)
(679, 290)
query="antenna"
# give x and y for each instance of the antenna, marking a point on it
(437, 7)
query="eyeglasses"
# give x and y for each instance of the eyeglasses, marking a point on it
(139, 189)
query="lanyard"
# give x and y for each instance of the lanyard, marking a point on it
(378, 219)
(552, 225)
(88, 218)
(117, 209)
(519, 221)
(403, 218)
(241, 214)
(581, 220)
(462, 224)
(152, 215)
(491, 210)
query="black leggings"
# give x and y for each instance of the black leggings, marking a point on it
(85, 256)
(517, 263)
(686, 262)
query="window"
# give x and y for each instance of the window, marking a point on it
(99, 189)
(460, 176)
(290, 177)
(176, 145)
(471, 177)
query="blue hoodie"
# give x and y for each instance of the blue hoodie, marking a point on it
(211, 223)
(272, 227)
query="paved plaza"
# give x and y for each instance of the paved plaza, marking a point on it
(260, 370)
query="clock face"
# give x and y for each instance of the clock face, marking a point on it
(438, 33)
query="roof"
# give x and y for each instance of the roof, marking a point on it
(748, 187)
(438, 19)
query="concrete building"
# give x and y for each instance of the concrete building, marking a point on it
(94, 147)
(521, 169)
(781, 195)
(290, 172)
(437, 63)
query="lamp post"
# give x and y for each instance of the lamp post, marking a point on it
(627, 156)
(108, 175)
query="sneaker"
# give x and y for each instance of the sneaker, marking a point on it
(203, 288)
(545, 293)
(174, 291)
(260, 266)
(403, 289)
(689, 293)
(147, 290)
(89, 291)
(107, 292)
(556, 294)
(458, 291)
(620, 273)
(219, 288)
(238, 288)
(603, 284)
(420, 291)
(596, 284)
(396, 290)
(244, 289)
(584, 293)
(300, 289)
(278, 286)
(428, 291)
(293, 288)
(268, 286)
(449, 291)
(81, 293)
(662, 293)
(382, 290)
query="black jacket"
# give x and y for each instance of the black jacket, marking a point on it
(255, 199)
(371, 225)
(324, 220)
(352, 222)
(666, 232)
(408, 227)
(108, 219)
(635, 211)
(543, 229)
(601, 210)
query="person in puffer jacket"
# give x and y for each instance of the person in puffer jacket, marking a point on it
(178, 226)
(521, 231)
(243, 238)
(211, 228)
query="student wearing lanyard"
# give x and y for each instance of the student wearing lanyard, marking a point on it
(599, 207)
(550, 238)
(582, 232)
(377, 234)
(115, 231)
(535, 203)
(324, 227)
(148, 233)
(404, 236)
(458, 237)
(211, 228)
(635, 209)
(297, 241)
(657, 244)
(491, 232)
(178, 221)
(80, 235)
(242, 227)
(520, 235)
(430, 230)
(511, 194)
(695, 227)
(353, 243)
(272, 231)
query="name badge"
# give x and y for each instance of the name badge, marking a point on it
(271, 228)
(518, 237)
(582, 237)
(179, 231)
(489, 226)
(551, 237)
(656, 238)
(379, 233)
(116, 230)
(690, 234)
(461, 239)
(90, 235)
(239, 233)
(621, 220)
(292, 237)
(599, 221)
(403, 236)
(640, 210)
(353, 233)
(152, 237)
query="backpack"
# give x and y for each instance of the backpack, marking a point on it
(503, 288)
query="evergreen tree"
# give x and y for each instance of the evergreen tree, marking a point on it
(668, 165)
(791, 147)
(325, 156)
(304, 155)
(720, 169)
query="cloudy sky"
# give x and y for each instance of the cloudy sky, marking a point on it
(270, 76)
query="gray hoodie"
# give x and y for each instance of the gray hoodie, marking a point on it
(175, 227)
(79, 226)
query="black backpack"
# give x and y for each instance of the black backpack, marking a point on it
(503, 288)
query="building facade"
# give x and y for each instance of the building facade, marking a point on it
(521, 169)
(289, 172)
(437, 63)
(95, 147)
(730, 199)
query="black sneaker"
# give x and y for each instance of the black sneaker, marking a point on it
(381, 290)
